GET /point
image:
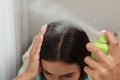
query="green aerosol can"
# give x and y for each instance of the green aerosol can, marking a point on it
(103, 44)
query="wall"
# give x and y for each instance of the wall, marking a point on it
(102, 14)
(8, 67)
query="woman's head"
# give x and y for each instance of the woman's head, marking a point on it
(64, 45)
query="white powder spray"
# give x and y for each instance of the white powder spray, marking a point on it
(53, 11)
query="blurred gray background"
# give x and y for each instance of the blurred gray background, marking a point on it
(101, 14)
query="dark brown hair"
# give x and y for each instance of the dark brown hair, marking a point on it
(63, 41)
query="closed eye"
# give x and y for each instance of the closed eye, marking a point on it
(68, 75)
(47, 73)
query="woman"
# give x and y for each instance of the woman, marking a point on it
(62, 55)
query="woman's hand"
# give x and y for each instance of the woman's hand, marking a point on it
(108, 66)
(34, 57)
(34, 68)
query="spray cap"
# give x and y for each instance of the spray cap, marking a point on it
(102, 39)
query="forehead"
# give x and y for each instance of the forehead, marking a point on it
(59, 67)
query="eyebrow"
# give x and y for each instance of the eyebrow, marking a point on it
(47, 71)
(60, 75)
(68, 74)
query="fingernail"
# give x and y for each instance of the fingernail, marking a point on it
(89, 46)
(44, 27)
(86, 59)
(102, 31)
(85, 68)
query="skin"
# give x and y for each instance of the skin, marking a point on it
(106, 68)
(59, 70)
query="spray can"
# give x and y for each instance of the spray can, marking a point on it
(103, 44)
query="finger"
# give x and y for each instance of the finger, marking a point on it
(97, 52)
(41, 34)
(43, 30)
(91, 63)
(114, 45)
(93, 74)
(37, 44)
(34, 45)
(90, 72)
